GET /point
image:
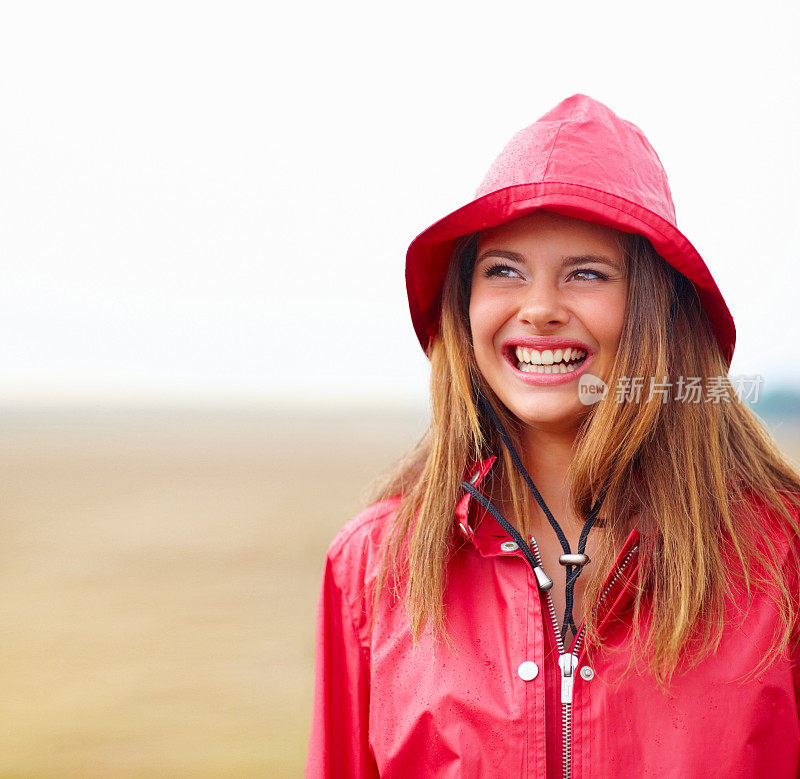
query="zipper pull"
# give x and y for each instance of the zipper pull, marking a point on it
(568, 663)
(544, 582)
(542, 579)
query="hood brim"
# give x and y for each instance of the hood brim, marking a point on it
(429, 253)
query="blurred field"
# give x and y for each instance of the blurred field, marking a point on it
(159, 573)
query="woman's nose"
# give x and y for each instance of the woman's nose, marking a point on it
(542, 306)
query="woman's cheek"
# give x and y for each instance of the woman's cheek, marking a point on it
(488, 311)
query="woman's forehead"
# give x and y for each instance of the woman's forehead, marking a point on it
(548, 225)
(550, 234)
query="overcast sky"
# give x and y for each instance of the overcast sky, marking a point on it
(214, 200)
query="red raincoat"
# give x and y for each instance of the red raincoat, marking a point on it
(501, 704)
(493, 708)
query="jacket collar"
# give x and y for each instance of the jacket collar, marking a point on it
(487, 535)
(484, 532)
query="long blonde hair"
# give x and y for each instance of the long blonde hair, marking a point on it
(687, 474)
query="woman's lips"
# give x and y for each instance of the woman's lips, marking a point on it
(546, 379)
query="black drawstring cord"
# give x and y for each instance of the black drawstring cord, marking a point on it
(572, 571)
(521, 468)
(504, 523)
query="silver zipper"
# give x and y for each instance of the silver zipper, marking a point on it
(576, 646)
(568, 661)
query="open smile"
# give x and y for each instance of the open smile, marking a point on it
(549, 360)
(556, 365)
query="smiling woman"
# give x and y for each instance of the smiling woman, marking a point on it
(545, 586)
(547, 283)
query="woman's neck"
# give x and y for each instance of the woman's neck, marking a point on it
(547, 455)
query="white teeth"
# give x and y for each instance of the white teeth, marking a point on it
(565, 358)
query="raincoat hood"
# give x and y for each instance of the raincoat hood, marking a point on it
(581, 160)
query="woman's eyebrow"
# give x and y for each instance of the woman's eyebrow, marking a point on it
(580, 259)
(568, 261)
(508, 255)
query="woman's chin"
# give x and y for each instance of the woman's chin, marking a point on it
(557, 407)
(557, 418)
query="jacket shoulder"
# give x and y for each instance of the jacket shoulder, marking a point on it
(354, 560)
(771, 522)
(354, 555)
(365, 529)
(775, 538)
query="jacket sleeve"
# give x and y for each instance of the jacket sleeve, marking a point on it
(339, 746)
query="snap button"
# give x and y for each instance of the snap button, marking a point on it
(509, 546)
(528, 670)
(587, 673)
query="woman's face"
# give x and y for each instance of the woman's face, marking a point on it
(547, 305)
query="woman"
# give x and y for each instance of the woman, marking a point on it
(551, 583)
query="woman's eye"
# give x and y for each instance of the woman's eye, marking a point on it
(589, 274)
(499, 270)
